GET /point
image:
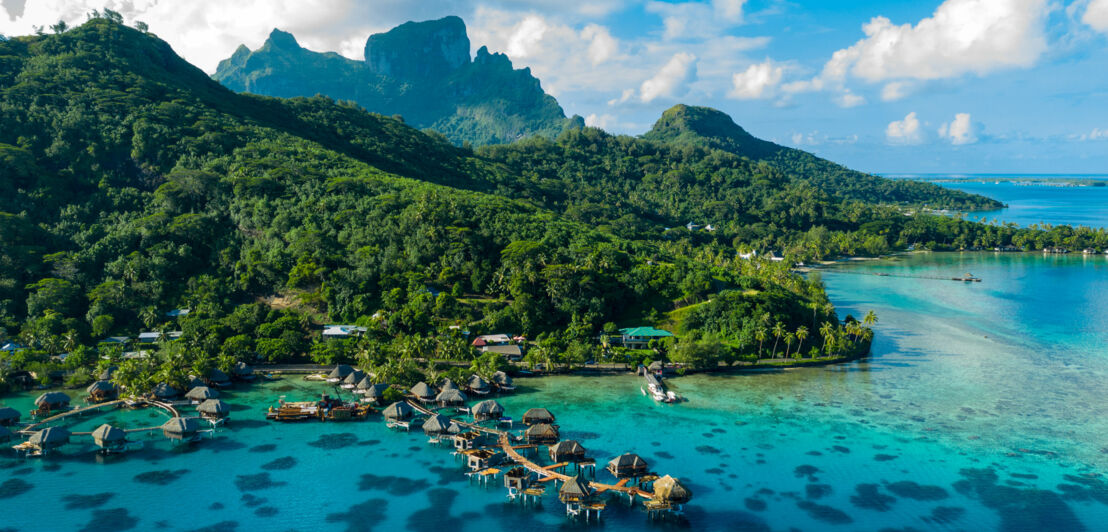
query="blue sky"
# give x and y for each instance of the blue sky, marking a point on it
(914, 86)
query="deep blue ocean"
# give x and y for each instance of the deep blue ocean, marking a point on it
(982, 408)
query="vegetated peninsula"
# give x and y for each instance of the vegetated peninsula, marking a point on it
(138, 187)
(421, 71)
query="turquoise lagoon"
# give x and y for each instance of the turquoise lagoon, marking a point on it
(982, 408)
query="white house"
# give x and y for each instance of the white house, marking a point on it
(339, 332)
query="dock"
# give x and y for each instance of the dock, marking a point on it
(170, 409)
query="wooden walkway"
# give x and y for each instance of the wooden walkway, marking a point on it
(545, 473)
(33, 427)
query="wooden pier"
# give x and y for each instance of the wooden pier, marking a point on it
(34, 427)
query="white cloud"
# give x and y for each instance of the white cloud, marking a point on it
(1095, 134)
(848, 99)
(671, 79)
(894, 91)
(758, 81)
(526, 36)
(697, 19)
(602, 46)
(959, 131)
(905, 131)
(1096, 15)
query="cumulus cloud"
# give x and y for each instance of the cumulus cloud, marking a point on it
(1095, 134)
(759, 80)
(905, 131)
(959, 131)
(1096, 15)
(602, 46)
(525, 36)
(848, 99)
(670, 81)
(894, 91)
(697, 19)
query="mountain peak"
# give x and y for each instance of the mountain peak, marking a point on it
(706, 122)
(282, 39)
(419, 50)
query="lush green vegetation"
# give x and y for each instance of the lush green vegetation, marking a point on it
(479, 101)
(139, 185)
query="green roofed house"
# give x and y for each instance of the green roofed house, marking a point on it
(640, 337)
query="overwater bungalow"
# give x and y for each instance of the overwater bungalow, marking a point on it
(479, 459)
(9, 416)
(541, 434)
(628, 465)
(109, 439)
(448, 384)
(242, 371)
(423, 392)
(567, 451)
(48, 438)
(218, 379)
(200, 394)
(517, 478)
(538, 415)
(478, 385)
(164, 391)
(194, 382)
(374, 393)
(181, 428)
(451, 397)
(106, 375)
(669, 490)
(101, 391)
(575, 490)
(503, 381)
(398, 411)
(51, 402)
(340, 372)
(214, 409)
(486, 410)
(438, 425)
(465, 441)
(351, 381)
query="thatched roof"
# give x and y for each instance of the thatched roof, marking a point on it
(477, 383)
(670, 489)
(242, 369)
(628, 461)
(375, 391)
(567, 447)
(52, 398)
(108, 434)
(340, 372)
(50, 436)
(575, 488)
(195, 381)
(107, 373)
(487, 408)
(538, 415)
(502, 378)
(422, 390)
(398, 410)
(181, 425)
(217, 375)
(214, 407)
(354, 377)
(451, 396)
(542, 430)
(165, 391)
(9, 414)
(448, 384)
(201, 393)
(437, 424)
(101, 387)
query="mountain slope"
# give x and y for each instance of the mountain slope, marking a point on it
(419, 70)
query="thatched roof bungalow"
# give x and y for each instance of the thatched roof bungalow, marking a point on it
(106, 375)
(200, 394)
(567, 451)
(576, 489)
(440, 424)
(503, 381)
(351, 381)
(541, 434)
(180, 428)
(448, 384)
(339, 373)
(670, 490)
(214, 409)
(100, 391)
(217, 378)
(374, 392)
(108, 437)
(398, 411)
(52, 401)
(49, 438)
(478, 385)
(165, 391)
(451, 397)
(8, 416)
(423, 392)
(538, 415)
(243, 371)
(486, 410)
(627, 465)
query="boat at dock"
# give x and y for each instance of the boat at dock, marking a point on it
(326, 409)
(656, 389)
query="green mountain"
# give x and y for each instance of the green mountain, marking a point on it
(135, 184)
(421, 71)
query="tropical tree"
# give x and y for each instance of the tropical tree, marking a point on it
(778, 332)
(801, 335)
(760, 335)
(827, 331)
(870, 319)
(789, 339)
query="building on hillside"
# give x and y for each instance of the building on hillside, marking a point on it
(120, 340)
(511, 352)
(640, 337)
(486, 340)
(154, 336)
(342, 332)
(178, 313)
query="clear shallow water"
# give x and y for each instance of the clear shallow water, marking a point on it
(982, 409)
(1037, 204)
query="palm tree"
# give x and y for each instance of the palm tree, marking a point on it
(760, 335)
(801, 334)
(870, 319)
(789, 339)
(778, 332)
(827, 331)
